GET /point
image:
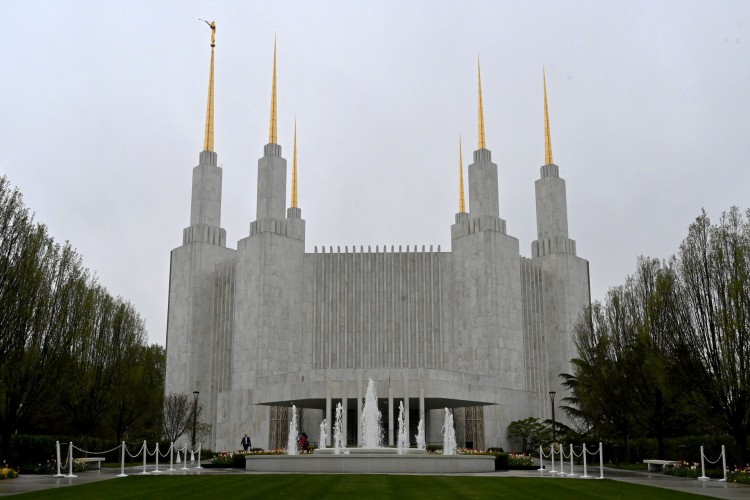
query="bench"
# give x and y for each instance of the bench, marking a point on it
(93, 462)
(657, 465)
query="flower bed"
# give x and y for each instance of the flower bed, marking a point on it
(739, 475)
(7, 473)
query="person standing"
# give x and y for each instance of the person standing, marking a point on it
(245, 442)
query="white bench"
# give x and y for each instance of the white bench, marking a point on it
(656, 465)
(93, 462)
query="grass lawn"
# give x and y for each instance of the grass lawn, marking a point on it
(354, 486)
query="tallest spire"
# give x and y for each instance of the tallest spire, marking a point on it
(272, 129)
(547, 139)
(482, 143)
(208, 141)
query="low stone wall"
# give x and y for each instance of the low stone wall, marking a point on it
(372, 463)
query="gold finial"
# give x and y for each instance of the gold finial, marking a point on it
(547, 139)
(208, 142)
(272, 132)
(294, 168)
(461, 203)
(482, 143)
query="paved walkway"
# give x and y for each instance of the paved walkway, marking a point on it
(712, 488)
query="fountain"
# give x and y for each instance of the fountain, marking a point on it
(421, 445)
(372, 457)
(323, 434)
(449, 434)
(403, 433)
(291, 444)
(372, 435)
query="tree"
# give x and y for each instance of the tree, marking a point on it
(715, 269)
(178, 416)
(532, 433)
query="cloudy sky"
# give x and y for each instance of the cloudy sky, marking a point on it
(103, 108)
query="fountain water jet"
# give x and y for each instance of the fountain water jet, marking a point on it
(323, 434)
(403, 433)
(372, 434)
(339, 443)
(291, 444)
(449, 435)
(421, 445)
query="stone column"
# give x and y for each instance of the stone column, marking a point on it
(329, 427)
(359, 412)
(390, 414)
(406, 400)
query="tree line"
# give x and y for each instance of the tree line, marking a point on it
(74, 360)
(666, 353)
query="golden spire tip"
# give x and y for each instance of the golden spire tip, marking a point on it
(208, 141)
(272, 129)
(482, 142)
(547, 139)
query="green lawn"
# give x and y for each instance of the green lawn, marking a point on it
(354, 486)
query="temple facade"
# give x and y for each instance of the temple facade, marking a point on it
(476, 328)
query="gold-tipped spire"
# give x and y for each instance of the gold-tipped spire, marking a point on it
(482, 143)
(208, 141)
(461, 202)
(547, 139)
(272, 129)
(294, 168)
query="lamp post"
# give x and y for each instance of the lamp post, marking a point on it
(195, 414)
(554, 424)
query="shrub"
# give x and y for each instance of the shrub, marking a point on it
(434, 448)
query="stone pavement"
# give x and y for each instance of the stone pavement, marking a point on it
(712, 488)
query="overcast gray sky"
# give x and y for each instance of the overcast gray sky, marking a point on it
(103, 109)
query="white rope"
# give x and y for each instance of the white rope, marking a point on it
(166, 452)
(712, 462)
(96, 452)
(562, 453)
(150, 452)
(137, 454)
(545, 455)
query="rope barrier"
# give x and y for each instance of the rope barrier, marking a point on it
(541, 459)
(96, 452)
(137, 452)
(722, 457)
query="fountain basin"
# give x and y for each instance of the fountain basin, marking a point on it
(372, 451)
(371, 463)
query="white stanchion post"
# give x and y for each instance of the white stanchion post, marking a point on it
(562, 459)
(57, 449)
(723, 463)
(601, 461)
(70, 460)
(156, 470)
(571, 461)
(122, 462)
(145, 449)
(541, 459)
(171, 455)
(184, 462)
(583, 452)
(199, 456)
(552, 455)
(703, 468)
